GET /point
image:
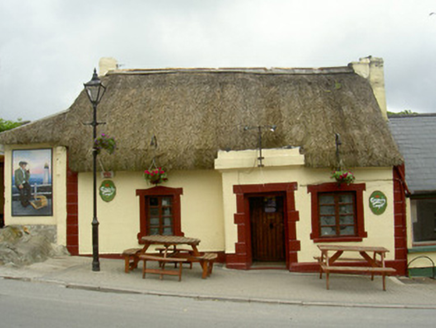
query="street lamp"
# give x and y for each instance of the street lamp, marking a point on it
(95, 91)
(271, 128)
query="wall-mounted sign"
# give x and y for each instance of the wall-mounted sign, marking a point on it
(107, 174)
(378, 202)
(107, 190)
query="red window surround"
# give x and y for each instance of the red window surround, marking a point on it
(358, 188)
(159, 191)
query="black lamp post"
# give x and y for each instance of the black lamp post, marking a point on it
(271, 128)
(95, 91)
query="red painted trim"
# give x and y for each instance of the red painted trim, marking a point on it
(242, 259)
(358, 188)
(159, 191)
(72, 212)
(400, 233)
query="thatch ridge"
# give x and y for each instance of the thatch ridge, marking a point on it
(193, 114)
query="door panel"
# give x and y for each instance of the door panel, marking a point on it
(267, 228)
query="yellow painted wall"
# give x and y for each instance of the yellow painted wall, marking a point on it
(380, 228)
(59, 192)
(201, 210)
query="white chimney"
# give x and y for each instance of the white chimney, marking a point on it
(371, 68)
(107, 64)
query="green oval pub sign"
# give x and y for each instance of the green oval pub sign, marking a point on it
(107, 190)
(378, 202)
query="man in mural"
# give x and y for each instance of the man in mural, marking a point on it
(22, 183)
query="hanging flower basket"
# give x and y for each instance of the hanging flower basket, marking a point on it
(105, 142)
(343, 177)
(155, 176)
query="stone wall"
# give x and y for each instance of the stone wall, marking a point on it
(24, 245)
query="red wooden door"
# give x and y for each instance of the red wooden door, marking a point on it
(267, 228)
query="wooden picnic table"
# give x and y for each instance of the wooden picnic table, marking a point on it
(171, 253)
(371, 260)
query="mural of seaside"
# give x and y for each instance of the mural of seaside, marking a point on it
(32, 192)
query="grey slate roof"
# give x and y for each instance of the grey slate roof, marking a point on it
(416, 139)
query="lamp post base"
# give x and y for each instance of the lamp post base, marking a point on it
(95, 266)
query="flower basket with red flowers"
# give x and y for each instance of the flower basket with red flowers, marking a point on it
(343, 177)
(155, 176)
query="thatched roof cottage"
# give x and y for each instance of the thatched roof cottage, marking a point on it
(208, 129)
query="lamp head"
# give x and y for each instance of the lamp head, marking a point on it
(95, 89)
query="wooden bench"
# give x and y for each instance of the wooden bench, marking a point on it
(318, 258)
(131, 258)
(383, 271)
(206, 262)
(162, 261)
(177, 251)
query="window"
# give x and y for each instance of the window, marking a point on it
(424, 220)
(159, 211)
(160, 215)
(337, 212)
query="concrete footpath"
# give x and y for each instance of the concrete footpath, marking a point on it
(268, 286)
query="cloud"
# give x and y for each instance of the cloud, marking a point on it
(49, 48)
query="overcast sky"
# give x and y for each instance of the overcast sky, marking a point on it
(48, 48)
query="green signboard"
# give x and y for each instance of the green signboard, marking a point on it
(107, 190)
(378, 202)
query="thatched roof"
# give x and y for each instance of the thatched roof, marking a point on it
(195, 112)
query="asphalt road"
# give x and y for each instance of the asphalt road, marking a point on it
(30, 304)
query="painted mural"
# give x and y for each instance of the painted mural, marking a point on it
(32, 192)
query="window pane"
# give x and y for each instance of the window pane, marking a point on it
(347, 231)
(327, 220)
(346, 209)
(327, 210)
(424, 219)
(168, 221)
(154, 201)
(167, 211)
(166, 201)
(346, 219)
(168, 231)
(326, 231)
(154, 211)
(154, 221)
(154, 231)
(345, 198)
(326, 199)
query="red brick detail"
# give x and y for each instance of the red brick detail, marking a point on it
(72, 212)
(400, 232)
(242, 259)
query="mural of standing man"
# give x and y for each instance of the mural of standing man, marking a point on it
(22, 176)
(32, 185)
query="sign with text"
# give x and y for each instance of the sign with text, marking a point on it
(378, 202)
(107, 190)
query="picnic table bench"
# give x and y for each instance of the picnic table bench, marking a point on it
(162, 261)
(363, 265)
(169, 253)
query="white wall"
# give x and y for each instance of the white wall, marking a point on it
(237, 168)
(201, 210)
